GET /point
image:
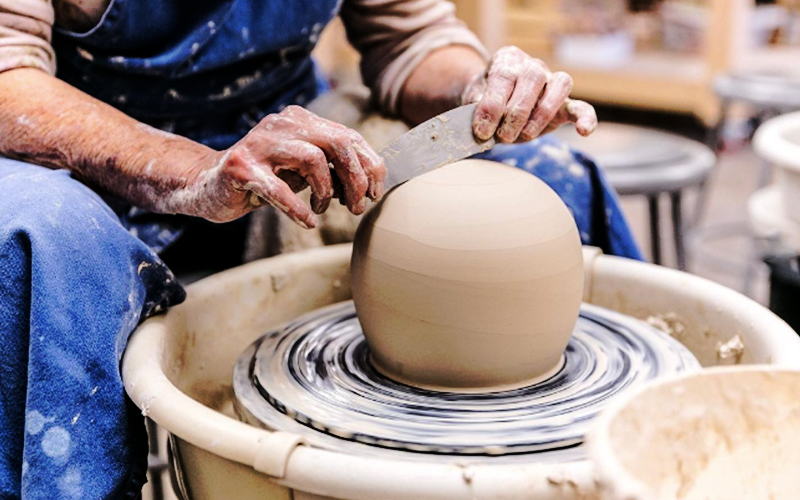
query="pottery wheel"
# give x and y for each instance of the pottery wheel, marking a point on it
(313, 377)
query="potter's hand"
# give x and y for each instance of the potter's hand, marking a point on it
(520, 99)
(282, 155)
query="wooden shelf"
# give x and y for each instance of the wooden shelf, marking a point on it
(665, 81)
(658, 80)
(659, 65)
(768, 59)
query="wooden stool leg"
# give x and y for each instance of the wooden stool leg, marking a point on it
(655, 230)
(677, 229)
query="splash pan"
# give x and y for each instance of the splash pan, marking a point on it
(313, 377)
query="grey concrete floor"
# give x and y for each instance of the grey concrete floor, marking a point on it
(720, 246)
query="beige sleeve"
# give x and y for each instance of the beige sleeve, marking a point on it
(25, 33)
(394, 36)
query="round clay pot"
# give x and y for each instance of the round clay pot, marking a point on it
(468, 277)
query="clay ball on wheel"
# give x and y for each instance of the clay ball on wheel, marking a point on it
(468, 277)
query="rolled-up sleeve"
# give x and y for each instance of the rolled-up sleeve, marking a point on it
(25, 33)
(394, 36)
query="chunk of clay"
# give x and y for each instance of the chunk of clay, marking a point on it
(468, 277)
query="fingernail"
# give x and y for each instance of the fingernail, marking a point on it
(316, 204)
(532, 130)
(504, 134)
(360, 207)
(482, 131)
(375, 192)
(585, 129)
(308, 224)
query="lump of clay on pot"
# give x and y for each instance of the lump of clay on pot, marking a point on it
(468, 277)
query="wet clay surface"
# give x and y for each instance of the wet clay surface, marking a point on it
(470, 276)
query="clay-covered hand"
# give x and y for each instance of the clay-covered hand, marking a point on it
(281, 156)
(519, 98)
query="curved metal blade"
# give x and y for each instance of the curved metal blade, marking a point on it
(441, 140)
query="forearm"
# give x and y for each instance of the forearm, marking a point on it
(395, 37)
(424, 94)
(47, 122)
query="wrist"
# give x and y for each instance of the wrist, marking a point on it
(171, 173)
(439, 82)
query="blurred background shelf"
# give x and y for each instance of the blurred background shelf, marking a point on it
(663, 81)
(675, 48)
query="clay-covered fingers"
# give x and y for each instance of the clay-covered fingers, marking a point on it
(529, 86)
(492, 105)
(309, 162)
(501, 77)
(581, 113)
(374, 167)
(358, 167)
(560, 119)
(555, 95)
(267, 187)
(519, 99)
(355, 163)
(296, 140)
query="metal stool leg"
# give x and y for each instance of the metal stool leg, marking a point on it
(715, 141)
(701, 203)
(655, 228)
(751, 267)
(715, 138)
(765, 167)
(764, 174)
(677, 229)
(156, 464)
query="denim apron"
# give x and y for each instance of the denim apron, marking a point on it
(206, 69)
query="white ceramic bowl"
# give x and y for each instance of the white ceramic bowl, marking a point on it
(724, 433)
(778, 142)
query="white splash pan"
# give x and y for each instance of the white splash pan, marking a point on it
(726, 432)
(765, 210)
(178, 370)
(777, 141)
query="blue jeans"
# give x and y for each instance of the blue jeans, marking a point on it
(73, 285)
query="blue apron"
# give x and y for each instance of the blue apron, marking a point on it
(206, 69)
